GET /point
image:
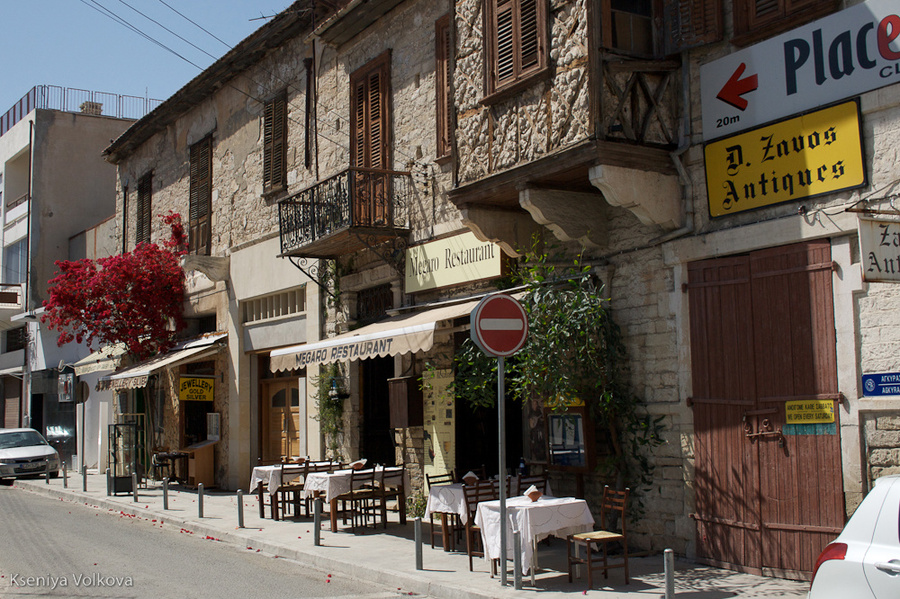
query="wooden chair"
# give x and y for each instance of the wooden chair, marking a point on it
(538, 480)
(290, 490)
(261, 491)
(360, 500)
(482, 490)
(455, 527)
(614, 502)
(390, 486)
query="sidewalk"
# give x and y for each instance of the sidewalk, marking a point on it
(387, 556)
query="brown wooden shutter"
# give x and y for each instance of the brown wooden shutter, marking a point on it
(200, 196)
(529, 38)
(144, 203)
(505, 67)
(691, 23)
(369, 106)
(274, 143)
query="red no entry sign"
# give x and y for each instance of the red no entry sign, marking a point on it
(499, 325)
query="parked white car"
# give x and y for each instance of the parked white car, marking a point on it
(864, 561)
(25, 452)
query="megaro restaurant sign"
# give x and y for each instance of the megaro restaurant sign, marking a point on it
(802, 157)
(451, 261)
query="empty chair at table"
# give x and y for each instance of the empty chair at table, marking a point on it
(538, 480)
(391, 486)
(482, 490)
(360, 502)
(614, 503)
(450, 520)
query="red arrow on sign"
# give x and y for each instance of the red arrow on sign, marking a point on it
(736, 87)
(499, 325)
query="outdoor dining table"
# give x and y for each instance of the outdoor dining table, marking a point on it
(331, 485)
(273, 476)
(535, 520)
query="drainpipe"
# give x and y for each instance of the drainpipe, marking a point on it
(26, 379)
(683, 146)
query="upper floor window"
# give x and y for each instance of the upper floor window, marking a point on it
(443, 53)
(369, 109)
(142, 224)
(758, 19)
(275, 144)
(515, 41)
(15, 264)
(628, 26)
(201, 196)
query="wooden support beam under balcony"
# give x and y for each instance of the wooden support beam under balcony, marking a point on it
(357, 209)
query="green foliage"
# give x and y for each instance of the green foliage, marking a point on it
(415, 505)
(330, 407)
(574, 350)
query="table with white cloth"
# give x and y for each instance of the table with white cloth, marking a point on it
(331, 485)
(273, 477)
(446, 501)
(535, 520)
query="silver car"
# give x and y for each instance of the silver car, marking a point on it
(25, 452)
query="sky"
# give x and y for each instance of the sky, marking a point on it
(82, 44)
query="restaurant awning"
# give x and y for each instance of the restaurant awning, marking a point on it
(135, 377)
(396, 335)
(101, 360)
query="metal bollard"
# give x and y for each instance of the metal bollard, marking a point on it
(108, 484)
(669, 564)
(83, 479)
(200, 499)
(47, 476)
(134, 486)
(417, 528)
(517, 560)
(65, 477)
(166, 493)
(317, 521)
(240, 500)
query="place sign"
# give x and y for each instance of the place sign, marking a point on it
(882, 383)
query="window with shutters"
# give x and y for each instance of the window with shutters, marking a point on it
(370, 147)
(758, 19)
(516, 43)
(201, 196)
(443, 52)
(275, 144)
(691, 23)
(144, 202)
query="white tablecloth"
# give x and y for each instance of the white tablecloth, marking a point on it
(448, 499)
(536, 520)
(337, 483)
(271, 476)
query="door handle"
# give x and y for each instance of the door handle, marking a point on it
(891, 567)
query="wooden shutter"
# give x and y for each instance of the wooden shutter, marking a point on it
(443, 52)
(144, 203)
(274, 144)
(504, 28)
(691, 23)
(768, 17)
(369, 106)
(200, 196)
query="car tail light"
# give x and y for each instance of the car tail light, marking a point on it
(832, 551)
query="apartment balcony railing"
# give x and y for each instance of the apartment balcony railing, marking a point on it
(70, 99)
(353, 210)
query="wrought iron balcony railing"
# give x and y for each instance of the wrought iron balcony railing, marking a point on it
(370, 205)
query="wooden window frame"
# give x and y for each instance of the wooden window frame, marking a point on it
(142, 221)
(523, 70)
(443, 51)
(789, 14)
(370, 137)
(201, 197)
(275, 144)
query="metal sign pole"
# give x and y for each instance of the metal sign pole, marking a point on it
(501, 418)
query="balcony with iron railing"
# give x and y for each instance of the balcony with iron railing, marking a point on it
(355, 209)
(68, 99)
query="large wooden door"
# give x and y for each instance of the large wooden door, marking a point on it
(281, 419)
(769, 495)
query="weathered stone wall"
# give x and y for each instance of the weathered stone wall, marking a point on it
(882, 444)
(548, 116)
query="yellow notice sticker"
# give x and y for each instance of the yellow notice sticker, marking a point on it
(809, 411)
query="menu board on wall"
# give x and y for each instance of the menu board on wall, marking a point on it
(440, 422)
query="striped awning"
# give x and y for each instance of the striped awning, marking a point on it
(135, 377)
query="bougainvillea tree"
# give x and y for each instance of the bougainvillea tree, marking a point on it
(135, 298)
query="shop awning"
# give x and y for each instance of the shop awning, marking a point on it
(108, 358)
(135, 377)
(396, 335)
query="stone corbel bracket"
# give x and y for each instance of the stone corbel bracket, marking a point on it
(653, 197)
(509, 229)
(216, 268)
(571, 216)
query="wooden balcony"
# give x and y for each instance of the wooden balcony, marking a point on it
(356, 209)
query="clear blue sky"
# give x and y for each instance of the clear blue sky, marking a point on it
(76, 44)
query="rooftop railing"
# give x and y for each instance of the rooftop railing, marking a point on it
(69, 99)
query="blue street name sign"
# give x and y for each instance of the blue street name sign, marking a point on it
(881, 383)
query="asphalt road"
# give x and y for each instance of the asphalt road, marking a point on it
(55, 548)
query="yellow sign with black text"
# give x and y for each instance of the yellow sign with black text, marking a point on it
(812, 411)
(196, 388)
(802, 157)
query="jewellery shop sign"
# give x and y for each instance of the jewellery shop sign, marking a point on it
(798, 158)
(196, 388)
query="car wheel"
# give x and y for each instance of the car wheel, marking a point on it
(54, 474)
(6, 481)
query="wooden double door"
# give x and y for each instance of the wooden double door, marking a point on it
(282, 419)
(768, 494)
